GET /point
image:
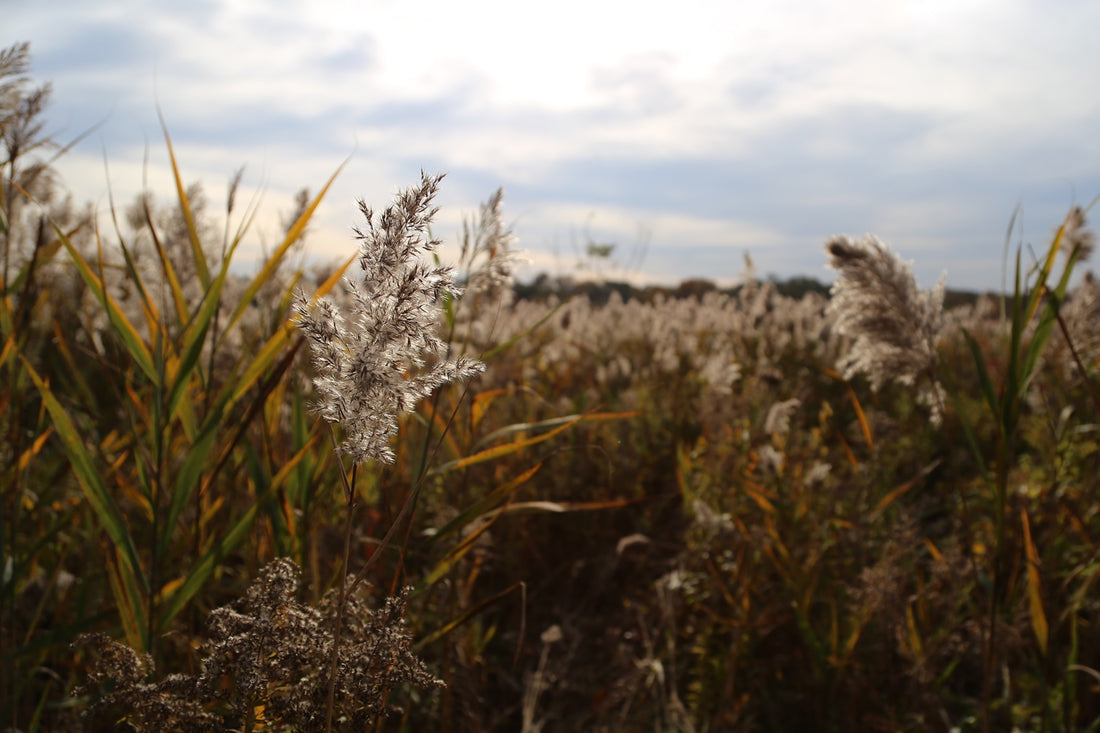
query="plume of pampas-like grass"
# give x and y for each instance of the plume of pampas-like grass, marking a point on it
(376, 363)
(894, 324)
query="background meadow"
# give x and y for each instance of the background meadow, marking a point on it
(766, 507)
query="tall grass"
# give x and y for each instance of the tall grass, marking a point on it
(724, 511)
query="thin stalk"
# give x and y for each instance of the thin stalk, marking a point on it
(989, 664)
(350, 498)
(1077, 358)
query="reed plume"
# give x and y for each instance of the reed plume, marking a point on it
(895, 325)
(385, 356)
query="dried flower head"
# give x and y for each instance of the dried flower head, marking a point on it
(487, 251)
(266, 652)
(778, 420)
(1076, 236)
(896, 326)
(385, 357)
(1081, 313)
(276, 652)
(118, 679)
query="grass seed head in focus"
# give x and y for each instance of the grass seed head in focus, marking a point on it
(376, 363)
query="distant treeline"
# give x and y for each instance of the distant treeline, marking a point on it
(598, 292)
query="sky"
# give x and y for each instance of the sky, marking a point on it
(687, 134)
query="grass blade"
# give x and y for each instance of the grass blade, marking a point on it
(122, 326)
(276, 258)
(1034, 591)
(89, 478)
(202, 570)
(201, 266)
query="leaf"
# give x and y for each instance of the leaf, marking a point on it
(204, 568)
(91, 483)
(988, 391)
(201, 267)
(166, 265)
(759, 497)
(276, 258)
(277, 342)
(129, 602)
(496, 351)
(34, 449)
(864, 425)
(1034, 592)
(490, 500)
(187, 479)
(466, 615)
(42, 256)
(122, 326)
(502, 450)
(901, 490)
(481, 402)
(194, 336)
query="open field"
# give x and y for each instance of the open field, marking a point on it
(692, 511)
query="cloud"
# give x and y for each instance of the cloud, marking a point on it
(711, 126)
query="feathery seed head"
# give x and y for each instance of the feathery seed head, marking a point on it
(384, 357)
(487, 245)
(895, 325)
(1077, 237)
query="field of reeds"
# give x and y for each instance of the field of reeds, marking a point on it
(390, 494)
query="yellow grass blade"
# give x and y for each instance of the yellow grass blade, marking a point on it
(131, 608)
(901, 490)
(914, 640)
(35, 448)
(279, 340)
(504, 449)
(126, 331)
(759, 496)
(273, 262)
(167, 267)
(1034, 594)
(201, 266)
(1048, 266)
(480, 404)
(9, 348)
(479, 508)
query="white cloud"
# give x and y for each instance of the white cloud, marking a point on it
(712, 124)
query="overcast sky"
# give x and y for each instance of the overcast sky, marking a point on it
(687, 134)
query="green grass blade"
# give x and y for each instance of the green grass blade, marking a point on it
(193, 338)
(988, 390)
(228, 398)
(487, 502)
(89, 478)
(501, 348)
(122, 326)
(187, 480)
(201, 571)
